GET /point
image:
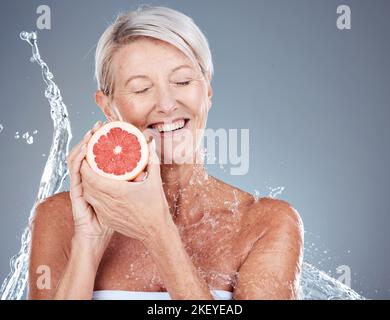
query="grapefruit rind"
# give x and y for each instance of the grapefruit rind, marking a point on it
(129, 128)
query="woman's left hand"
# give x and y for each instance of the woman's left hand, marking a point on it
(134, 209)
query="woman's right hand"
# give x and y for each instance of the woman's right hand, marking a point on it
(88, 229)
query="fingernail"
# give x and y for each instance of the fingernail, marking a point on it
(87, 134)
(96, 124)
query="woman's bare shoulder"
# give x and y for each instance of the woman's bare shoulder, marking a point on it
(54, 214)
(57, 198)
(262, 212)
(277, 212)
(52, 232)
(279, 237)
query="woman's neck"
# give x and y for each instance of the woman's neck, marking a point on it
(183, 185)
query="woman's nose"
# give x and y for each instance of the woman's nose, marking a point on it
(165, 101)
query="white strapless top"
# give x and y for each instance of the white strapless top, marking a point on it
(144, 295)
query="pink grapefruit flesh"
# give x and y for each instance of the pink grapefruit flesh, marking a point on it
(118, 150)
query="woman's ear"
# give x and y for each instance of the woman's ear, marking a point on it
(209, 94)
(103, 101)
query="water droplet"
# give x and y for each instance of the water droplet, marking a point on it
(17, 135)
(25, 135)
(43, 154)
(273, 192)
(35, 131)
(24, 35)
(30, 140)
(1, 128)
(256, 195)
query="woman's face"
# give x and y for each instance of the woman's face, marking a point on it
(158, 89)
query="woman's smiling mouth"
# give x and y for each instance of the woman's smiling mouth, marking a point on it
(170, 128)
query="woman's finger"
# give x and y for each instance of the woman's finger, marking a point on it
(74, 161)
(90, 199)
(75, 151)
(91, 177)
(154, 161)
(74, 170)
(141, 177)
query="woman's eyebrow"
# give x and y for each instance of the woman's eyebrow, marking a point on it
(135, 77)
(146, 77)
(181, 66)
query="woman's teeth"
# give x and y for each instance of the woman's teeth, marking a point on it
(166, 127)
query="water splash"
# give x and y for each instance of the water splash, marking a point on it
(54, 173)
(256, 195)
(314, 284)
(274, 192)
(234, 204)
(317, 285)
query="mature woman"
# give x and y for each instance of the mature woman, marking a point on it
(173, 231)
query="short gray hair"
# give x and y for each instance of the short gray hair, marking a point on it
(160, 23)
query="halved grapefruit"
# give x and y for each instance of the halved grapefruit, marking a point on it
(118, 150)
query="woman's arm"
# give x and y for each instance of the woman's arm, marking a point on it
(140, 211)
(77, 281)
(60, 266)
(178, 273)
(272, 268)
(52, 231)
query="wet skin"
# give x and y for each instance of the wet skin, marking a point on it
(223, 237)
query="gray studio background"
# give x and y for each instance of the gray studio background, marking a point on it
(316, 101)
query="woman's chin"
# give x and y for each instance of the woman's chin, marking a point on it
(178, 156)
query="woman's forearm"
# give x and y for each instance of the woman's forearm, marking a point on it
(180, 276)
(77, 281)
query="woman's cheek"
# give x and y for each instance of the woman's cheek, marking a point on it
(195, 100)
(133, 111)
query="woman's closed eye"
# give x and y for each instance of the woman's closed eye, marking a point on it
(141, 91)
(184, 83)
(180, 84)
